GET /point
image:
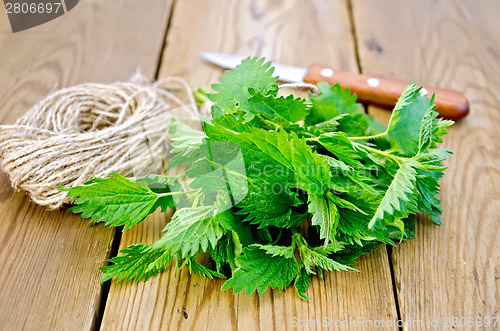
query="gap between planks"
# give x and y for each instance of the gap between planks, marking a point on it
(119, 231)
(164, 45)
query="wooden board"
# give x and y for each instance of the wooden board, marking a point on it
(49, 278)
(452, 270)
(279, 31)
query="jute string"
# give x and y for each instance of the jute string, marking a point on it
(92, 130)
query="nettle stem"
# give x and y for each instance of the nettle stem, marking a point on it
(396, 158)
(380, 135)
(176, 193)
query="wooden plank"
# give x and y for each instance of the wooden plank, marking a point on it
(452, 270)
(49, 279)
(293, 32)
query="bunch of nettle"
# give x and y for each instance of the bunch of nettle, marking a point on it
(280, 188)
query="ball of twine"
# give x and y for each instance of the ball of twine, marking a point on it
(91, 130)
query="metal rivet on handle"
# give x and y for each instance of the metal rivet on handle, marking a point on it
(327, 72)
(373, 82)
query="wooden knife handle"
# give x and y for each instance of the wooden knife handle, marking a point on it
(384, 92)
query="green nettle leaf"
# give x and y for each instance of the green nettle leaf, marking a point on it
(311, 169)
(266, 173)
(201, 270)
(260, 270)
(317, 258)
(325, 214)
(276, 144)
(282, 109)
(341, 147)
(233, 88)
(224, 252)
(425, 137)
(192, 230)
(285, 251)
(326, 126)
(331, 102)
(186, 144)
(410, 125)
(353, 229)
(349, 254)
(399, 196)
(137, 261)
(438, 129)
(428, 188)
(268, 202)
(117, 201)
(302, 283)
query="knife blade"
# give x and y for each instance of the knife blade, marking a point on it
(371, 89)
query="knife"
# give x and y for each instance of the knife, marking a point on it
(372, 89)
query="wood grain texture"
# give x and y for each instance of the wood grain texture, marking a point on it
(49, 279)
(452, 270)
(277, 30)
